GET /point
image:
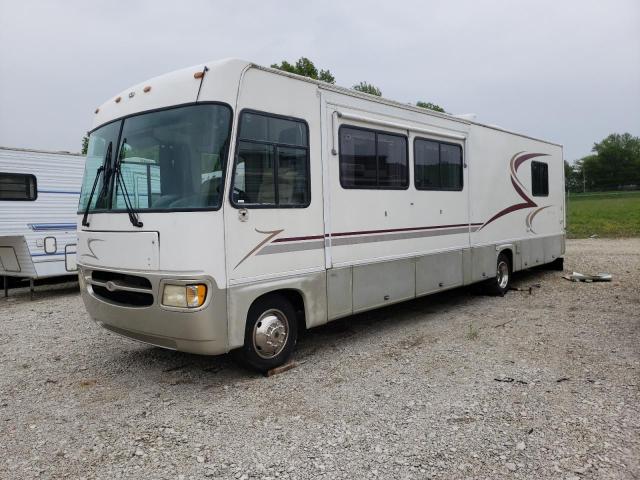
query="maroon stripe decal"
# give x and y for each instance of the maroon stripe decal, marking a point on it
(510, 209)
(366, 232)
(410, 229)
(528, 203)
(532, 215)
(523, 158)
(298, 239)
(516, 161)
(523, 195)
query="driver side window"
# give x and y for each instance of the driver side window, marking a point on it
(272, 162)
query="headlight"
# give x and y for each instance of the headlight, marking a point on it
(185, 296)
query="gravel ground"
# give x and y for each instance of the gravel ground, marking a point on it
(410, 391)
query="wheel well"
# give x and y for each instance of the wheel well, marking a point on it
(296, 299)
(509, 254)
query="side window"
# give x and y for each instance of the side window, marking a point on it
(438, 165)
(272, 162)
(18, 186)
(358, 161)
(372, 160)
(539, 179)
(426, 156)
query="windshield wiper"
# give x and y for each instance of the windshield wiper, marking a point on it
(85, 217)
(133, 214)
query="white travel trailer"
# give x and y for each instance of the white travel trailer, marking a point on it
(39, 193)
(226, 206)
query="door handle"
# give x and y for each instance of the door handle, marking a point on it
(243, 215)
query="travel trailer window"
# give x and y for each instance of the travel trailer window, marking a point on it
(438, 165)
(371, 159)
(18, 186)
(272, 162)
(539, 179)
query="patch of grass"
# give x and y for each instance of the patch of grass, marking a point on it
(606, 214)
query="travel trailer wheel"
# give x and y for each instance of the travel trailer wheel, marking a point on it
(270, 334)
(500, 284)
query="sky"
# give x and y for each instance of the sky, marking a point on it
(567, 71)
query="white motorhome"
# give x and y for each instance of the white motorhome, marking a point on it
(234, 204)
(39, 193)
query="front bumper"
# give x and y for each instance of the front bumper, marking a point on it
(202, 331)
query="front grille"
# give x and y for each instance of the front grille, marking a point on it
(133, 299)
(129, 280)
(121, 288)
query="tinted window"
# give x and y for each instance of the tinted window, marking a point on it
(169, 159)
(392, 161)
(358, 163)
(371, 159)
(283, 131)
(17, 186)
(254, 174)
(427, 164)
(173, 158)
(272, 162)
(539, 179)
(292, 176)
(100, 152)
(438, 165)
(450, 167)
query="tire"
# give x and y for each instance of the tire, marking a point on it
(270, 319)
(500, 284)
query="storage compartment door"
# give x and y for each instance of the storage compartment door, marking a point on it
(9, 260)
(438, 271)
(383, 283)
(532, 252)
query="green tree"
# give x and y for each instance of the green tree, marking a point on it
(365, 87)
(592, 174)
(430, 106)
(573, 176)
(85, 144)
(617, 162)
(325, 76)
(306, 68)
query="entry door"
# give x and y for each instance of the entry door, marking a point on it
(273, 216)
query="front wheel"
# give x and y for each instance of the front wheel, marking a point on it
(271, 333)
(500, 284)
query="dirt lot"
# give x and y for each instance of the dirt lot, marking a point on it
(410, 391)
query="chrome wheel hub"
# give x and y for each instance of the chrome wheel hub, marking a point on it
(503, 274)
(270, 333)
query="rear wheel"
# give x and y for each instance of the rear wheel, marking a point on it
(271, 333)
(500, 284)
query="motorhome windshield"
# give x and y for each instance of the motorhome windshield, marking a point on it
(169, 160)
